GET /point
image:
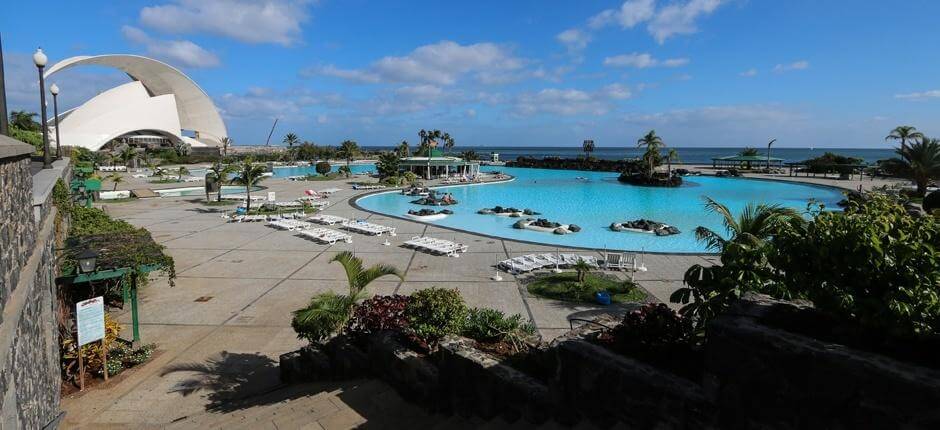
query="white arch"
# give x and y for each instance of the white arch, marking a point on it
(195, 109)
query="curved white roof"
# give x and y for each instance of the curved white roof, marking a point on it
(195, 108)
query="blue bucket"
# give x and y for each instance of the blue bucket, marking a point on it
(603, 297)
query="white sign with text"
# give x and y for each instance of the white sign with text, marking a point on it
(89, 316)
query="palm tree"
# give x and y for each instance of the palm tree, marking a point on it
(448, 141)
(672, 155)
(348, 150)
(248, 174)
(326, 313)
(919, 162)
(226, 142)
(290, 139)
(387, 164)
(755, 224)
(127, 155)
(219, 172)
(23, 120)
(652, 142)
(582, 268)
(469, 155)
(749, 152)
(905, 133)
(115, 179)
(182, 170)
(344, 170)
(588, 147)
(403, 150)
(410, 177)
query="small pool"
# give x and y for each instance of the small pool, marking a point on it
(201, 191)
(597, 199)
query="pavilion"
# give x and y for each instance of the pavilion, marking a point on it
(439, 165)
(746, 160)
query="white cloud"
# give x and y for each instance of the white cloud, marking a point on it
(921, 96)
(679, 18)
(642, 60)
(616, 92)
(718, 115)
(749, 73)
(797, 65)
(265, 103)
(262, 21)
(570, 101)
(573, 39)
(442, 63)
(631, 13)
(181, 52)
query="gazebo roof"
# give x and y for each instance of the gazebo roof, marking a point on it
(435, 161)
(763, 158)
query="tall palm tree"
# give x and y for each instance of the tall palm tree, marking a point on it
(219, 172)
(919, 162)
(588, 147)
(291, 139)
(115, 179)
(226, 142)
(348, 150)
(248, 174)
(127, 155)
(448, 141)
(755, 224)
(653, 143)
(905, 134)
(672, 155)
(326, 313)
(182, 170)
(469, 155)
(582, 268)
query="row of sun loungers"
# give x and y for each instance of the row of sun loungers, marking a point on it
(436, 246)
(528, 263)
(112, 168)
(290, 224)
(368, 228)
(326, 235)
(328, 219)
(368, 187)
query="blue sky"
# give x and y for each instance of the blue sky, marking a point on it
(536, 73)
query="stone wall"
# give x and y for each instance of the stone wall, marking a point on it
(29, 344)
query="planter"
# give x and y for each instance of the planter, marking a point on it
(474, 382)
(602, 386)
(790, 380)
(412, 375)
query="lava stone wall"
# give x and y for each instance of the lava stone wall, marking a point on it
(29, 345)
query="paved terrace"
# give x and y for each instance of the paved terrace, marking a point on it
(254, 276)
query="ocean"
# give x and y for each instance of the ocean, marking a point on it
(686, 155)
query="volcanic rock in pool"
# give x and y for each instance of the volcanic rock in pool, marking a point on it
(486, 211)
(530, 212)
(427, 212)
(520, 224)
(515, 215)
(560, 230)
(655, 227)
(615, 226)
(573, 228)
(542, 222)
(447, 212)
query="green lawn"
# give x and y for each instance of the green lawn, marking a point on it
(564, 286)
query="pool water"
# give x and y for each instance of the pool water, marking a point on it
(201, 191)
(598, 199)
(286, 171)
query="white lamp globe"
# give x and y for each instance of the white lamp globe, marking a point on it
(54, 89)
(39, 58)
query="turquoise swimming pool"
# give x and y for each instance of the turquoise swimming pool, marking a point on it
(596, 200)
(286, 171)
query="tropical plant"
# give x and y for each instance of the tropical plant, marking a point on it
(410, 178)
(588, 147)
(291, 139)
(219, 172)
(387, 164)
(582, 268)
(323, 168)
(180, 171)
(671, 155)
(182, 149)
(653, 143)
(448, 141)
(434, 313)
(226, 142)
(379, 313)
(652, 327)
(115, 179)
(919, 162)
(490, 325)
(749, 152)
(469, 155)
(905, 134)
(348, 150)
(344, 170)
(403, 150)
(23, 120)
(248, 174)
(328, 312)
(127, 155)
(755, 224)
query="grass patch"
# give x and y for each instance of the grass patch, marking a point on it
(329, 177)
(165, 181)
(564, 286)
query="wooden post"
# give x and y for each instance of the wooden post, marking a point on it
(81, 369)
(104, 352)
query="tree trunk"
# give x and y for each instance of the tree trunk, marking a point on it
(247, 197)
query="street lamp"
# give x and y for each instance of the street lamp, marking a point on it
(87, 260)
(40, 60)
(768, 152)
(54, 89)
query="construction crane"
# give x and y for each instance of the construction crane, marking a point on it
(268, 142)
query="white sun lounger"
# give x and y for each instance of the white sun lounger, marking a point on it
(368, 228)
(327, 219)
(326, 235)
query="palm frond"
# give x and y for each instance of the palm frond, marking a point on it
(712, 206)
(353, 267)
(711, 239)
(367, 276)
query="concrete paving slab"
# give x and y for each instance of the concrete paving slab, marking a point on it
(219, 238)
(200, 300)
(253, 264)
(322, 268)
(185, 259)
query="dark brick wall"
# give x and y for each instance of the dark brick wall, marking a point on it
(17, 229)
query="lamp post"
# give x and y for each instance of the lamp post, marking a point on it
(40, 60)
(768, 152)
(54, 89)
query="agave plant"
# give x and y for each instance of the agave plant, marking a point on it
(328, 312)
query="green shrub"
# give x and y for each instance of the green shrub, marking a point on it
(323, 167)
(435, 312)
(932, 201)
(86, 221)
(490, 325)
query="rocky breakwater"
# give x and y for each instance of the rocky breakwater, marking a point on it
(546, 226)
(645, 226)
